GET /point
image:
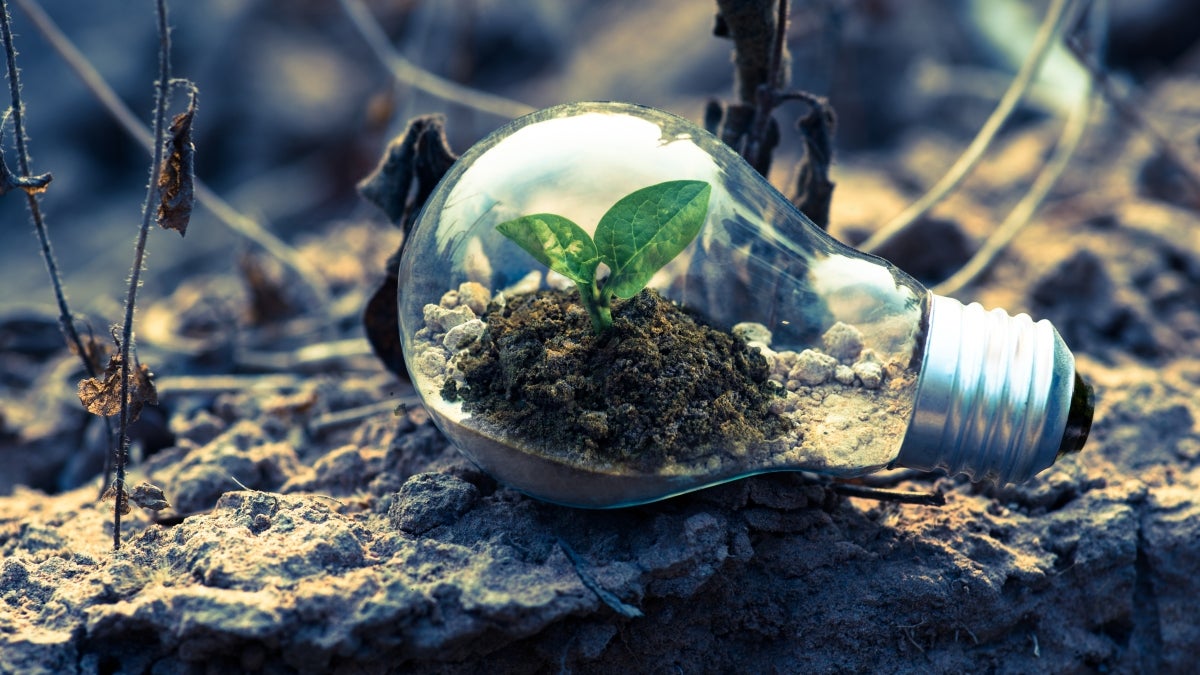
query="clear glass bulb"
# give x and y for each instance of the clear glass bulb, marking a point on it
(870, 369)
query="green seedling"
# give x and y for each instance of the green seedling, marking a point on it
(642, 232)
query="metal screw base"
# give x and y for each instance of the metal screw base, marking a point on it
(998, 398)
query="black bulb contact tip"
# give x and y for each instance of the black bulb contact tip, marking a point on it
(1079, 418)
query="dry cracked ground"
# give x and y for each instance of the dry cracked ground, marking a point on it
(298, 543)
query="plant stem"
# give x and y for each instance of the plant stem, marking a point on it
(597, 305)
(66, 320)
(161, 96)
(407, 72)
(1051, 26)
(225, 213)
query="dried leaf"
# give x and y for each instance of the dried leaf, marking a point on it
(410, 169)
(175, 178)
(111, 494)
(381, 320)
(814, 189)
(421, 156)
(149, 497)
(102, 396)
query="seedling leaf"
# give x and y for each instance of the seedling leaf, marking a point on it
(646, 229)
(557, 243)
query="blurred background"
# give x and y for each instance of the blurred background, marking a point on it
(295, 108)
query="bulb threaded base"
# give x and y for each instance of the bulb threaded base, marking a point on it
(998, 397)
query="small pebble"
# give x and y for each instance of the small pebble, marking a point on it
(463, 334)
(431, 363)
(843, 342)
(441, 319)
(812, 368)
(766, 352)
(844, 375)
(449, 300)
(474, 295)
(526, 284)
(476, 263)
(752, 332)
(870, 372)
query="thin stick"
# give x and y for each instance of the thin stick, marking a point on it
(1049, 30)
(1133, 116)
(161, 96)
(898, 496)
(1022, 213)
(226, 214)
(766, 96)
(66, 320)
(409, 73)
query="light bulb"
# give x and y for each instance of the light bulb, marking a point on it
(864, 368)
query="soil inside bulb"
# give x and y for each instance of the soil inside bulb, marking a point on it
(659, 387)
(662, 394)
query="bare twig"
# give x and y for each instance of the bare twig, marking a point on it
(1049, 30)
(765, 97)
(1022, 213)
(409, 73)
(1133, 116)
(161, 99)
(66, 320)
(226, 214)
(883, 495)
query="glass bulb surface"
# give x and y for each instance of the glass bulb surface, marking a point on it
(837, 337)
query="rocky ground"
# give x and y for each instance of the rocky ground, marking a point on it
(319, 522)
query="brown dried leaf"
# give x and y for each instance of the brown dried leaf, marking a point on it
(814, 189)
(407, 174)
(381, 320)
(111, 494)
(175, 178)
(103, 396)
(149, 497)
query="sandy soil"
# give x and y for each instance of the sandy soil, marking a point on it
(300, 542)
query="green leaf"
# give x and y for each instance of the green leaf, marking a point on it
(646, 229)
(557, 243)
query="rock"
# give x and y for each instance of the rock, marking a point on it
(463, 334)
(449, 300)
(441, 319)
(431, 363)
(474, 295)
(752, 332)
(870, 372)
(843, 342)
(428, 500)
(812, 368)
(526, 284)
(844, 375)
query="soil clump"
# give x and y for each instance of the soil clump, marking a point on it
(659, 385)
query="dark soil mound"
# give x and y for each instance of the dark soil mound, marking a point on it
(658, 385)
